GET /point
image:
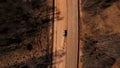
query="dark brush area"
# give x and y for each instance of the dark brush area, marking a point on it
(21, 22)
(98, 55)
(96, 6)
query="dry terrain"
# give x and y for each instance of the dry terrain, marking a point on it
(100, 33)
